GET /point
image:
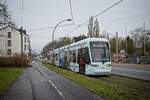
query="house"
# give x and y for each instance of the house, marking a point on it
(14, 41)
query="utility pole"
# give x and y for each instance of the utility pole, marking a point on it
(21, 29)
(126, 40)
(117, 46)
(22, 10)
(144, 38)
(21, 33)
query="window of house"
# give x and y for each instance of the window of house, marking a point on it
(9, 34)
(28, 47)
(9, 51)
(25, 47)
(28, 40)
(9, 42)
(25, 39)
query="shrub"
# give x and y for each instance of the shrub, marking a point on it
(14, 61)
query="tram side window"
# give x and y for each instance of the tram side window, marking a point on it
(70, 55)
(65, 56)
(56, 56)
(86, 55)
(79, 56)
(83, 53)
(73, 56)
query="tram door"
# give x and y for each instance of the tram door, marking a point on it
(83, 59)
(65, 60)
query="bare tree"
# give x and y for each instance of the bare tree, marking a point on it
(93, 27)
(4, 15)
(139, 35)
(96, 32)
(90, 27)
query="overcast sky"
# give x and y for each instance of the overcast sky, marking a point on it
(38, 15)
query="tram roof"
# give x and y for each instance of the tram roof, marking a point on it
(92, 39)
(84, 41)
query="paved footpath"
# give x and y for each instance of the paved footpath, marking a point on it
(39, 83)
(132, 70)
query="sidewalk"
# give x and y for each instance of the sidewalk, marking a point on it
(20, 89)
(131, 65)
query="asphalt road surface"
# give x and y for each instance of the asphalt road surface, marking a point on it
(131, 70)
(39, 83)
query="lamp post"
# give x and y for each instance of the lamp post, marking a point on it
(54, 32)
(117, 47)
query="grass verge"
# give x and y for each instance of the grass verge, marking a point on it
(7, 76)
(110, 87)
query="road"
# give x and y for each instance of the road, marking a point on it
(39, 83)
(132, 70)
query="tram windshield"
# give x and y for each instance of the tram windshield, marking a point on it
(100, 51)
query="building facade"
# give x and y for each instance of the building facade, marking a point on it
(13, 41)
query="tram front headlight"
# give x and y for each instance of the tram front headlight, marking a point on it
(109, 65)
(93, 65)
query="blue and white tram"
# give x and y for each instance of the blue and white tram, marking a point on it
(90, 56)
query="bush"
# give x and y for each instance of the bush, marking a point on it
(14, 61)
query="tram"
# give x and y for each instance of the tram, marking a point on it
(90, 56)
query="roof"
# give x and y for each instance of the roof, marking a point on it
(4, 27)
(23, 31)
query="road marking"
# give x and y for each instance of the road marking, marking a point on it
(50, 82)
(59, 92)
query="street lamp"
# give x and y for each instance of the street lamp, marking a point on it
(57, 26)
(54, 32)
